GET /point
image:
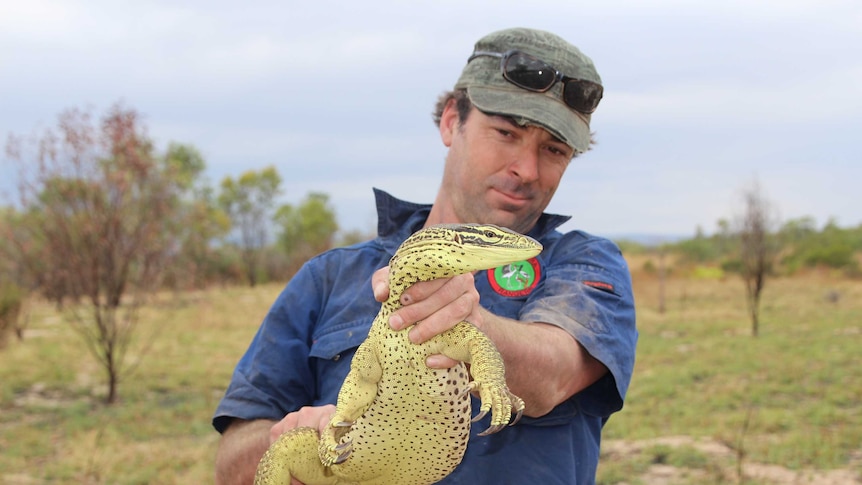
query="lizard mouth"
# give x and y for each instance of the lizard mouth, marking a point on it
(449, 249)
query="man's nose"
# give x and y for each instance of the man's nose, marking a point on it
(525, 164)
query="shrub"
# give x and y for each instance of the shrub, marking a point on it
(11, 297)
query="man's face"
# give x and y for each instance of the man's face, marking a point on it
(498, 172)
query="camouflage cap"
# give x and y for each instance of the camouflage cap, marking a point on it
(491, 93)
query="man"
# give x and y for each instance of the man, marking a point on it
(564, 321)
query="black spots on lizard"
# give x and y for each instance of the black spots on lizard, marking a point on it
(417, 427)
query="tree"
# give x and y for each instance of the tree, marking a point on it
(757, 247)
(200, 221)
(307, 229)
(11, 295)
(249, 201)
(354, 236)
(11, 301)
(187, 164)
(96, 205)
(832, 247)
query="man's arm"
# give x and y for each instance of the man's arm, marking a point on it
(243, 443)
(239, 451)
(545, 365)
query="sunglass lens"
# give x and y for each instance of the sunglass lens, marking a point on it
(583, 96)
(528, 72)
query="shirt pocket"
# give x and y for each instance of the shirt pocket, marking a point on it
(338, 339)
(330, 356)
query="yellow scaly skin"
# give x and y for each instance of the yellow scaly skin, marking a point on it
(397, 421)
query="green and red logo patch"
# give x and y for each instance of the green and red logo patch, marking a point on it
(515, 279)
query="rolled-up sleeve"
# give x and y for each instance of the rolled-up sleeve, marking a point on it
(586, 290)
(273, 377)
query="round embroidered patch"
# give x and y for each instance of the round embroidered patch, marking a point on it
(515, 279)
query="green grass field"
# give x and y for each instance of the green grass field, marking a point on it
(706, 396)
(791, 397)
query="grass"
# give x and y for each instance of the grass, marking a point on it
(791, 397)
(55, 429)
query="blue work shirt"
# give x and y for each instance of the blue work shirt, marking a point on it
(302, 351)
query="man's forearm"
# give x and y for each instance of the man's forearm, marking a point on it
(544, 364)
(241, 446)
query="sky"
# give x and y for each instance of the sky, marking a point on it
(702, 98)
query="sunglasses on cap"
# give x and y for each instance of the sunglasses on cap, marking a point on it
(533, 74)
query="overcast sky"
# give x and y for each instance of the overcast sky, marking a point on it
(701, 97)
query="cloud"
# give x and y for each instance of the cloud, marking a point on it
(828, 96)
(699, 95)
(38, 20)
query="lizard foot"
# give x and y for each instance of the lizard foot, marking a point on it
(335, 454)
(501, 403)
(331, 451)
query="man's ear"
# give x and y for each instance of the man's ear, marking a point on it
(449, 122)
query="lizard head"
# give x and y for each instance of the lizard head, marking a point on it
(446, 250)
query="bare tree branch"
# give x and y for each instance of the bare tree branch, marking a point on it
(756, 225)
(97, 203)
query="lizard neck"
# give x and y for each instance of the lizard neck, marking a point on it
(400, 278)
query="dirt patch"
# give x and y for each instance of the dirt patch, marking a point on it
(664, 474)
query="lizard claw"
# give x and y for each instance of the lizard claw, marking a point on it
(467, 390)
(492, 429)
(331, 449)
(517, 417)
(335, 454)
(502, 404)
(518, 407)
(342, 457)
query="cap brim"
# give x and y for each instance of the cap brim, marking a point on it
(572, 127)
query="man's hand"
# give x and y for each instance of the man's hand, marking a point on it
(545, 365)
(316, 417)
(438, 304)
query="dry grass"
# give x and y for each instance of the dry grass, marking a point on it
(788, 399)
(699, 377)
(54, 429)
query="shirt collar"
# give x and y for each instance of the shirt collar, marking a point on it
(398, 219)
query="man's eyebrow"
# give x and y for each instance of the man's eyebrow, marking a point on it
(511, 120)
(507, 119)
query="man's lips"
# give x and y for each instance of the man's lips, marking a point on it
(513, 198)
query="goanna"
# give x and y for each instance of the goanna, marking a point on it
(397, 421)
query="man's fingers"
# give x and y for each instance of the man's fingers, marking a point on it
(380, 284)
(445, 288)
(308, 416)
(422, 290)
(283, 426)
(449, 301)
(440, 361)
(325, 418)
(445, 318)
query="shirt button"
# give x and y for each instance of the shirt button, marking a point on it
(337, 356)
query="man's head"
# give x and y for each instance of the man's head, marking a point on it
(518, 114)
(533, 77)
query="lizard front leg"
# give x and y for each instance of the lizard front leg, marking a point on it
(356, 394)
(468, 344)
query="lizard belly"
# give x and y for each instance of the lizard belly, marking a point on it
(417, 427)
